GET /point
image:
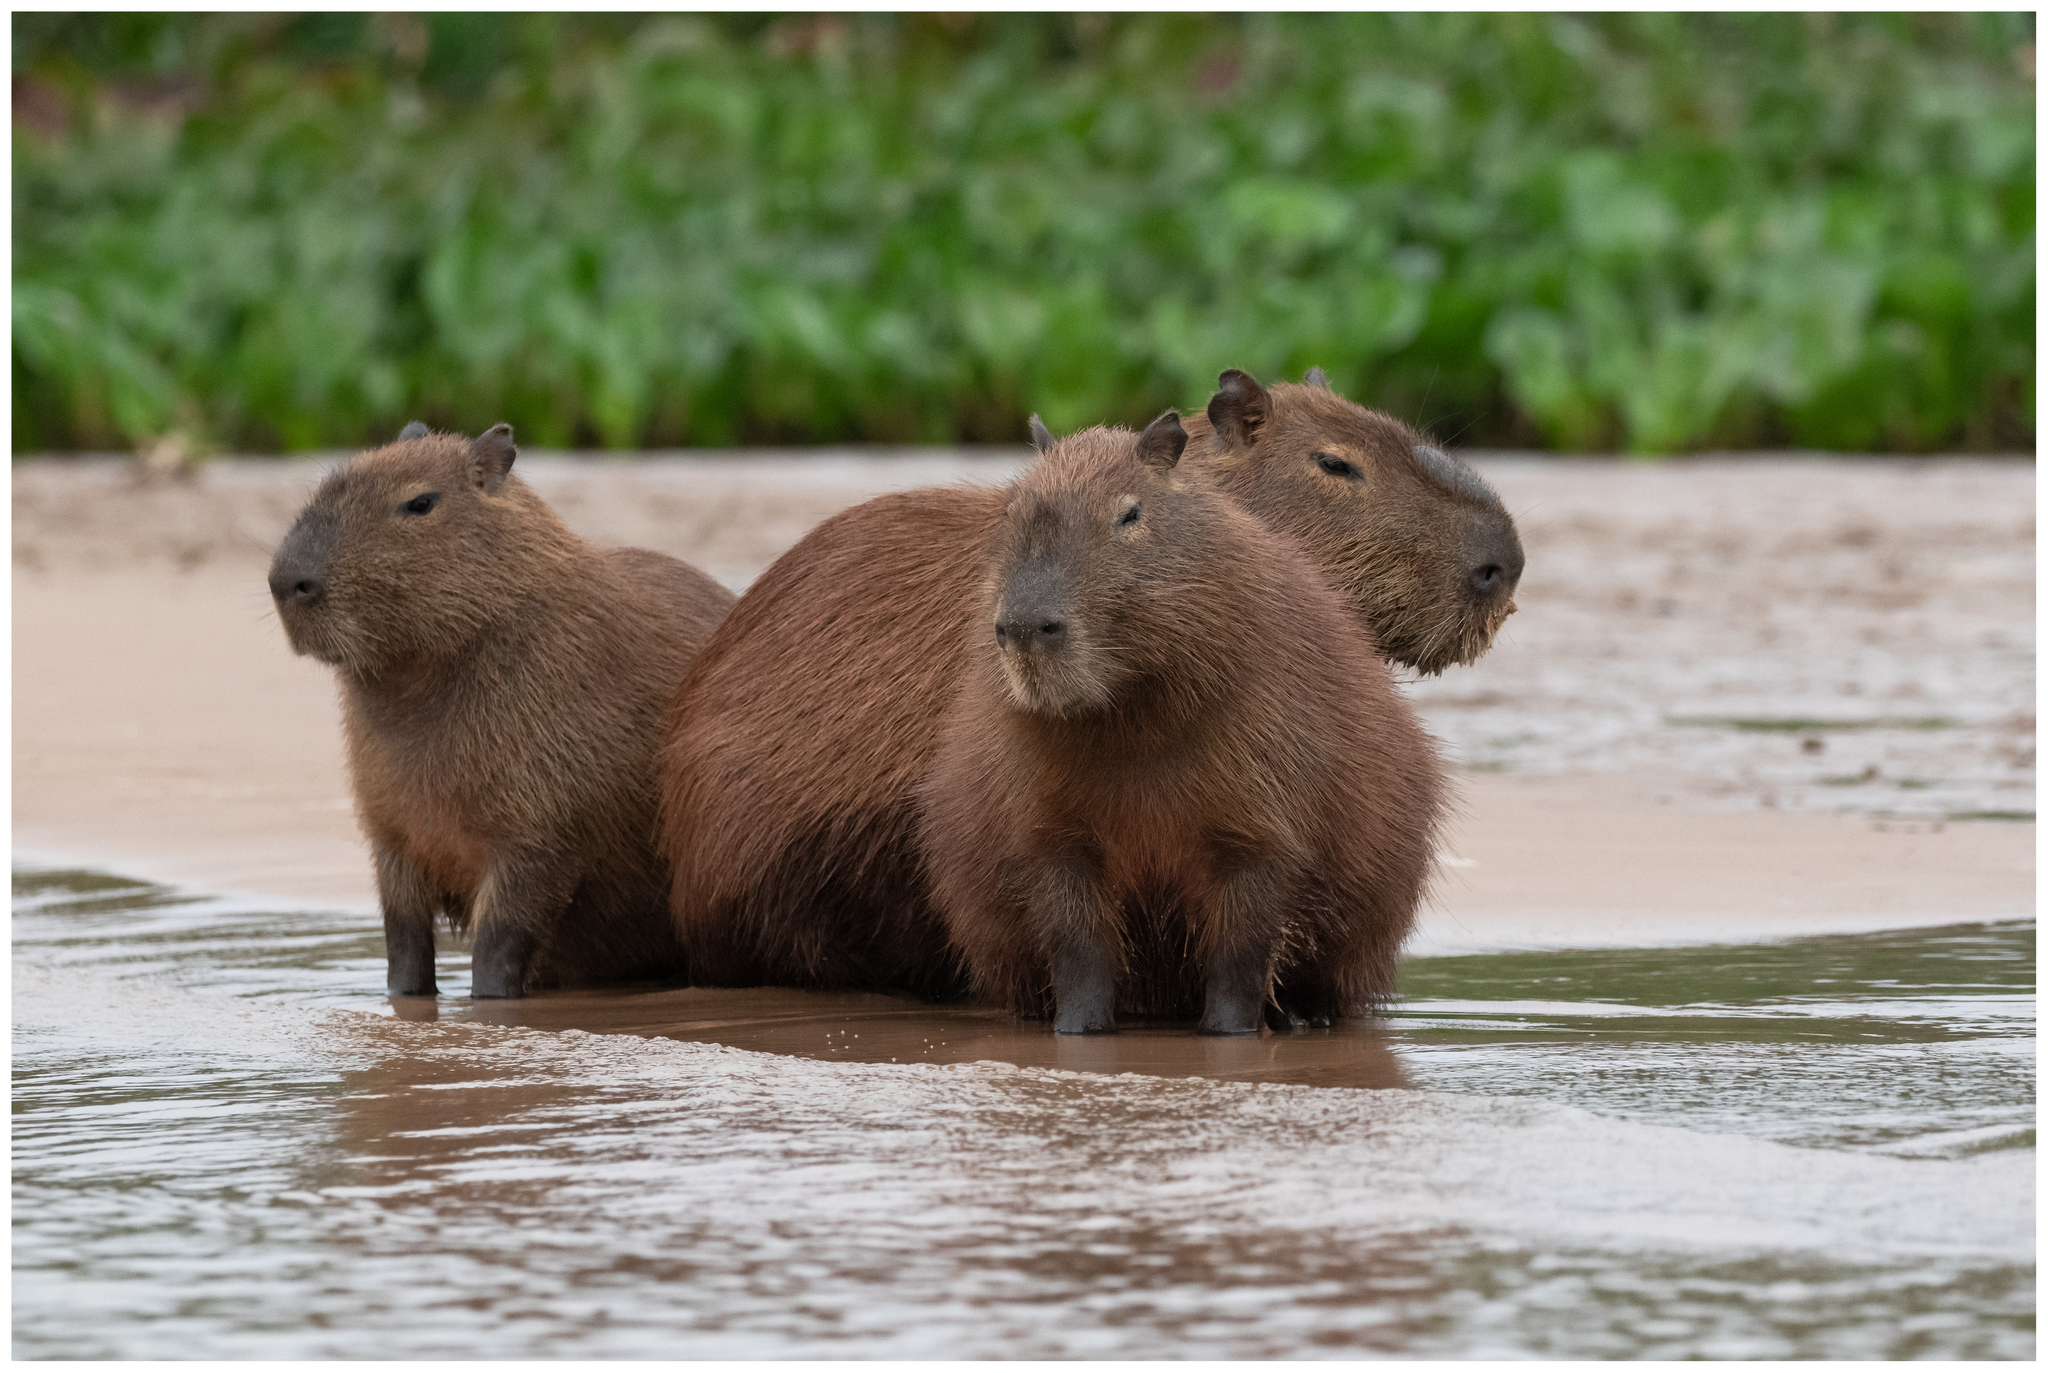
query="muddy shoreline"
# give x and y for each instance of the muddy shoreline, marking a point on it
(1743, 697)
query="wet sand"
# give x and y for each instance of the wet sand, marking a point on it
(162, 729)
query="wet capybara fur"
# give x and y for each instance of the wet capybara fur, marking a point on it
(798, 740)
(1176, 779)
(503, 685)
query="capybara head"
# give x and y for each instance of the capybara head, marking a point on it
(1420, 546)
(406, 552)
(1103, 533)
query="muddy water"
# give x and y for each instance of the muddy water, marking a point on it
(226, 1145)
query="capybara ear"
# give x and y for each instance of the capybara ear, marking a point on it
(1161, 443)
(1316, 377)
(490, 457)
(1238, 409)
(1041, 437)
(415, 430)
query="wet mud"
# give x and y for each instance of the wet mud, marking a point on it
(227, 1144)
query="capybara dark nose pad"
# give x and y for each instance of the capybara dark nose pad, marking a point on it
(1487, 578)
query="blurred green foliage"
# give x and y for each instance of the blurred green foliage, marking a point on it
(1649, 231)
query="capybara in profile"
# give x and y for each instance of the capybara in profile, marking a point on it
(1176, 778)
(799, 738)
(503, 685)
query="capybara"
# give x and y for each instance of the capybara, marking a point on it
(798, 740)
(502, 685)
(1176, 777)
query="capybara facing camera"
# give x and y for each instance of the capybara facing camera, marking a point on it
(502, 688)
(1175, 779)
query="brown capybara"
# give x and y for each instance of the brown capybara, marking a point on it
(1176, 777)
(799, 738)
(502, 684)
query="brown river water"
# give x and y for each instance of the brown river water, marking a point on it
(226, 1144)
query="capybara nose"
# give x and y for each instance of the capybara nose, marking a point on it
(1499, 575)
(1028, 633)
(293, 586)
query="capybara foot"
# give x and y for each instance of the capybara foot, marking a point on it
(1286, 1014)
(408, 945)
(1235, 1000)
(1232, 1018)
(497, 968)
(1084, 992)
(1075, 1021)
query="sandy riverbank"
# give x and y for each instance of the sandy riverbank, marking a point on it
(1744, 698)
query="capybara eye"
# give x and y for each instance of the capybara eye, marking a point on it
(1337, 467)
(1128, 518)
(420, 505)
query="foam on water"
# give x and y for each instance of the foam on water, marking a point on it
(222, 1150)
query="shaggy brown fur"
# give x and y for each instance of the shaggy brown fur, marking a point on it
(1176, 774)
(502, 688)
(796, 743)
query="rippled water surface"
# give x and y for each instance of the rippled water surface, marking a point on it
(227, 1144)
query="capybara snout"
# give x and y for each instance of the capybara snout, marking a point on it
(1044, 651)
(298, 574)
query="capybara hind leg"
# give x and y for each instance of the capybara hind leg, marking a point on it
(1073, 916)
(408, 925)
(512, 907)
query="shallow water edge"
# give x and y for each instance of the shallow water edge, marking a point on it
(226, 1144)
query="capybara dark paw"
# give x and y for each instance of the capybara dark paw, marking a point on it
(1083, 1025)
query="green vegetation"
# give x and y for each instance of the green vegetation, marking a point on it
(1649, 231)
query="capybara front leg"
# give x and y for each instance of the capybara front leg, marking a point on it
(516, 906)
(1234, 1002)
(1243, 916)
(408, 905)
(1073, 917)
(1084, 990)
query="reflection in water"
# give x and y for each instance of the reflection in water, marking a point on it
(226, 1146)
